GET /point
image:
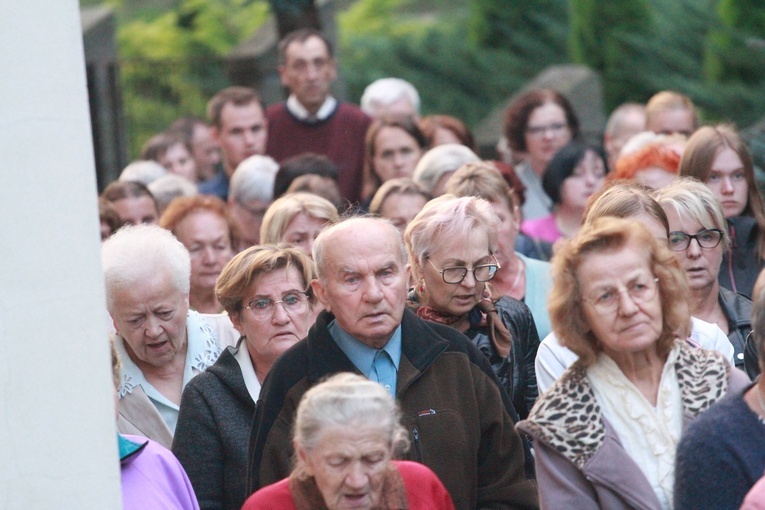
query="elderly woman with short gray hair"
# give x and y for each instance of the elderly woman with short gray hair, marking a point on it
(347, 431)
(452, 244)
(162, 344)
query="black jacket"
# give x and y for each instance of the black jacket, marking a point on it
(516, 373)
(742, 263)
(738, 310)
(450, 400)
(212, 433)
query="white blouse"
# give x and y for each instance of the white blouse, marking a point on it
(202, 351)
(648, 434)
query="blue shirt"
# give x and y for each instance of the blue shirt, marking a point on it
(361, 354)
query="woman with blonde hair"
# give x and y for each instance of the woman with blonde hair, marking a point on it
(605, 433)
(297, 219)
(399, 200)
(699, 239)
(267, 294)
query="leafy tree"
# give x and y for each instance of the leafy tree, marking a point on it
(435, 54)
(172, 63)
(601, 36)
(534, 32)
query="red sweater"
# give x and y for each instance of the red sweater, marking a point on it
(340, 137)
(424, 491)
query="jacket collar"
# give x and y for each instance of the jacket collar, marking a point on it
(569, 418)
(420, 345)
(736, 307)
(229, 373)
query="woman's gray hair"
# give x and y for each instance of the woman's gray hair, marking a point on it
(441, 160)
(171, 186)
(692, 200)
(144, 171)
(253, 179)
(136, 254)
(348, 400)
(448, 220)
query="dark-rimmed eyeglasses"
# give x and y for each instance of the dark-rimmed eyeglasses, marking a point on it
(294, 303)
(456, 274)
(707, 238)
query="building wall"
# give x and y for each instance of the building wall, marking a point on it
(56, 404)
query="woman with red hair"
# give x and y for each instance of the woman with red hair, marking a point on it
(655, 165)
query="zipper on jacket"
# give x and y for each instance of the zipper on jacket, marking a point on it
(416, 441)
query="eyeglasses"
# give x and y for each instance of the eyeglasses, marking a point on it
(294, 303)
(707, 238)
(640, 291)
(555, 129)
(454, 275)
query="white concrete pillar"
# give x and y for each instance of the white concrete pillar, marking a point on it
(56, 409)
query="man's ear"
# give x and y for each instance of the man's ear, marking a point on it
(318, 289)
(282, 75)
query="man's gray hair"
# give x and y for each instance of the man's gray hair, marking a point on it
(253, 179)
(323, 239)
(137, 254)
(387, 91)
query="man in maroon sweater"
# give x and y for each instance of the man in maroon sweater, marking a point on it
(312, 120)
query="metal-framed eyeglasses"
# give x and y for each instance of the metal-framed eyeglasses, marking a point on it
(707, 238)
(294, 303)
(607, 300)
(455, 274)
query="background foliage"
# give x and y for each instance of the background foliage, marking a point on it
(464, 56)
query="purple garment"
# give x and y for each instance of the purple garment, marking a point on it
(545, 229)
(152, 478)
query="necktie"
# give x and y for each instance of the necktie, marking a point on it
(384, 371)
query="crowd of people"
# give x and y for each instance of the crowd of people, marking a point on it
(323, 305)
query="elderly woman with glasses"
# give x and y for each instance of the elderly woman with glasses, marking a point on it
(451, 245)
(266, 292)
(605, 432)
(699, 237)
